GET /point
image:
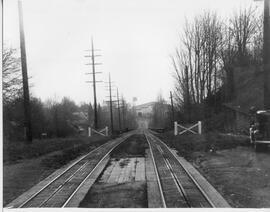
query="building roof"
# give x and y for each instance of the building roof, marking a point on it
(149, 104)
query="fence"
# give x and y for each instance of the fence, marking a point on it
(103, 132)
(178, 127)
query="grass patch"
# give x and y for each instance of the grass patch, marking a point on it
(209, 142)
(58, 160)
(14, 151)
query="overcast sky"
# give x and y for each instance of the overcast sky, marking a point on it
(136, 38)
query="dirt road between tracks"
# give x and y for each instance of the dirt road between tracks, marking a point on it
(122, 183)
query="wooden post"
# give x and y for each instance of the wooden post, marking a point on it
(200, 127)
(175, 128)
(89, 131)
(106, 131)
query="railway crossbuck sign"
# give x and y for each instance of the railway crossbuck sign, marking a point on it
(103, 132)
(178, 127)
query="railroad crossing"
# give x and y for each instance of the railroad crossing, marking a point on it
(170, 180)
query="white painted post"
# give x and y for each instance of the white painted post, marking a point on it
(106, 131)
(89, 131)
(200, 127)
(175, 128)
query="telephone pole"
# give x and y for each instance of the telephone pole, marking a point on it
(109, 87)
(187, 93)
(119, 116)
(93, 64)
(171, 97)
(266, 55)
(26, 97)
(123, 112)
(111, 111)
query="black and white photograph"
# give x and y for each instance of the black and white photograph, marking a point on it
(135, 104)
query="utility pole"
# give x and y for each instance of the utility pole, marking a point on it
(111, 102)
(26, 97)
(93, 64)
(187, 93)
(119, 116)
(266, 55)
(171, 97)
(123, 112)
(111, 110)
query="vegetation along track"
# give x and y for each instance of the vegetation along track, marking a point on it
(59, 191)
(177, 187)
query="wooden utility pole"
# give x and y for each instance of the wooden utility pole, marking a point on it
(26, 97)
(172, 106)
(93, 64)
(187, 93)
(266, 55)
(123, 112)
(111, 110)
(119, 116)
(94, 86)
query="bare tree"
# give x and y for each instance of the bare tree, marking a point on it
(244, 26)
(197, 60)
(11, 75)
(212, 49)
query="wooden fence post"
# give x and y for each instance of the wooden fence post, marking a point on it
(200, 127)
(89, 131)
(106, 131)
(175, 128)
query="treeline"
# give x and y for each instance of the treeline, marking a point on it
(204, 62)
(51, 118)
(161, 114)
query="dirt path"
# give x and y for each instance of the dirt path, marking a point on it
(241, 175)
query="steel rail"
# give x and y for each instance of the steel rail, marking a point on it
(60, 186)
(174, 177)
(70, 197)
(65, 171)
(177, 182)
(187, 172)
(157, 174)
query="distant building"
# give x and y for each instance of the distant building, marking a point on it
(145, 109)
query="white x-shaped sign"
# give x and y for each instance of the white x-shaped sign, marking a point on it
(187, 129)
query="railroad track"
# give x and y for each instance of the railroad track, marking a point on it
(59, 191)
(177, 187)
